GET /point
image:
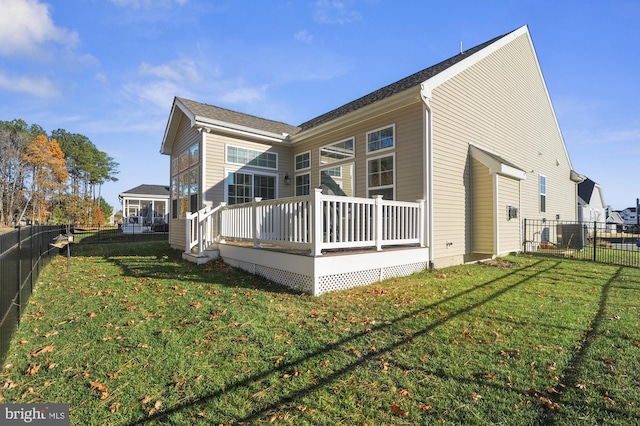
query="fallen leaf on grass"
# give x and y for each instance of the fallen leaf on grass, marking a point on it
(114, 407)
(475, 396)
(155, 408)
(33, 369)
(8, 384)
(44, 350)
(146, 400)
(425, 407)
(100, 388)
(399, 411)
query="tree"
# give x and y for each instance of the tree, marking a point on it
(45, 160)
(15, 136)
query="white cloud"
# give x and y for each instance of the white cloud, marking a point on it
(25, 27)
(148, 4)
(303, 36)
(179, 70)
(335, 12)
(36, 86)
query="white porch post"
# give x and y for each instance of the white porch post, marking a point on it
(316, 222)
(254, 221)
(188, 234)
(200, 235)
(219, 224)
(421, 222)
(378, 221)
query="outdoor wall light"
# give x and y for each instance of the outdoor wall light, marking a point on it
(287, 179)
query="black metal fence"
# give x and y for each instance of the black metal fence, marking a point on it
(595, 241)
(23, 253)
(104, 234)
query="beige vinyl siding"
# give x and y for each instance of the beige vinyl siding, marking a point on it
(186, 138)
(508, 230)
(408, 149)
(216, 165)
(500, 104)
(483, 210)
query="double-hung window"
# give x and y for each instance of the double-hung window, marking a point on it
(303, 180)
(381, 170)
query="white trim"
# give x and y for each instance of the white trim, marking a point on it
(203, 156)
(352, 138)
(393, 127)
(295, 161)
(246, 171)
(496, 166)
(226, 156)
(383, 155)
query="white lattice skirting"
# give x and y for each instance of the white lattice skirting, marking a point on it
(322, 274)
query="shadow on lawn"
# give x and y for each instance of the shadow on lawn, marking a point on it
(364, 359)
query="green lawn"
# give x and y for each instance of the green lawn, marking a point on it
(132, 334)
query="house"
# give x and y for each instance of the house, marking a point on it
(145, 208)
(591, 205)
(445, 163)
(630, 218)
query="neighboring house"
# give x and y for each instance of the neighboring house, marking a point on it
(614, 220)
(474, 138)
(630, 218)
(591, 205)
(145, 207)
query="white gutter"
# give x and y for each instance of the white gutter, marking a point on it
(425, 95)
(238, 129)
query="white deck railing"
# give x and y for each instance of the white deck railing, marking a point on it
(314, 222)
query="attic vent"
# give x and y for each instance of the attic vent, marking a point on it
(512, 212)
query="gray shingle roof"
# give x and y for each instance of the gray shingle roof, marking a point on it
(160, 190)
(234, 117)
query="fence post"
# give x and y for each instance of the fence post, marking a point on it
(316, 222)
(421, 222)
(378, 221)
(254, 221)
(524, 236)
(595, 236)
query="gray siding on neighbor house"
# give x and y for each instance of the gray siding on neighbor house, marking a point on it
(499, 103)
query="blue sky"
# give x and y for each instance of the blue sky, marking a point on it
(109, 69)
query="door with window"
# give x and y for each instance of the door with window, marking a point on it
(243, 187)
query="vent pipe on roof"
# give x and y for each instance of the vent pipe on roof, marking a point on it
(460, 46)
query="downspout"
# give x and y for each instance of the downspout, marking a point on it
(203, 165)
(425, 95)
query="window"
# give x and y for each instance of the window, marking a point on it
(338, 180)
(244, 187)
(303, 184)
(337, 152)
(194, 157)
(251, 157)
(380, 139)
(381, 177)
(185, 182)
(303, 161)
(543, 194)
